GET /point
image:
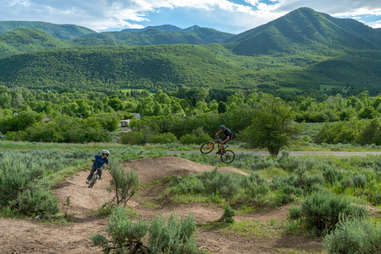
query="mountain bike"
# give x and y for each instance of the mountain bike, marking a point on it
(227, 156)
(95, 177)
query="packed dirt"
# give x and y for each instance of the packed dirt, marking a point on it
(79, 202)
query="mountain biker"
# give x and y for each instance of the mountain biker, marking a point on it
(99, 162)
(228, 135)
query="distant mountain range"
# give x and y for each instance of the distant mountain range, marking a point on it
(303, 50)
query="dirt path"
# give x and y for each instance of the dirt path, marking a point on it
(295, 153)
(24, 236)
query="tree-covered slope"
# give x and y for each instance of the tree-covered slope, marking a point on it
(143, 67)
(305, 29)
(66, 32)
(24, 40)
(154, 36)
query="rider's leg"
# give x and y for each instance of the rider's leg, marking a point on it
(92, 171)
(100, 173)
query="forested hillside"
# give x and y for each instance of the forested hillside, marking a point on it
(302, 51)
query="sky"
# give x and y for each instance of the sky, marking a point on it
(232, 16)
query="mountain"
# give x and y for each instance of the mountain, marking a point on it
(66, 32)
(161, 28)
(165, 34)
(146, 67)
(25, 40)
(305, 29)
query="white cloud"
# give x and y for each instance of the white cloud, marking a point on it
(106, 14)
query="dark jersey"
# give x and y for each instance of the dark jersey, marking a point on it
(228, 133)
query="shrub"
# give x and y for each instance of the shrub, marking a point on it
(294, 213)
(354, 237)
(359, 181)
(346, 182)
(124, 234)
(133, 138)
(174, 237)
(194, 139)
(164, 138)
(228, 215)
(36, 202)
(288, 163)
(210, 183)
(331, 174)
(322, 211)
(124, 184)
(255, 188)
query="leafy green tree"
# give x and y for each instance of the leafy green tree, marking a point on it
(273, 126)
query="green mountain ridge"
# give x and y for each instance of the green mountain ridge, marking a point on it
(65, 32)
(25, 40)
(155, 36)
(305, 29)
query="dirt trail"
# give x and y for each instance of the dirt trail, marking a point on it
(24, 236)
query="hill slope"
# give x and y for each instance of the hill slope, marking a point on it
(155, 35)
(25, 40)
(144, 67)
(305, 29)
(66, 32)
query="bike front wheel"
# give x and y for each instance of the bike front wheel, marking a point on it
(207, 148)
(228, 156)
(93, 180)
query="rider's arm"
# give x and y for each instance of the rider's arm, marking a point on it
(219, 132)
(226, 140)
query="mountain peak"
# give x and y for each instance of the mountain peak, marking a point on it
(165, 27)
(195, 27)
(305, 28)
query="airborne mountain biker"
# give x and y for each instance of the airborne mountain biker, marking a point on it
(228, 135)
(99, 162)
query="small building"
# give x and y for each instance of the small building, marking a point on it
(125, 123)
(46, 120)
(137, 116)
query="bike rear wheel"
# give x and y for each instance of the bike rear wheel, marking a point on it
(227, 156)
(93, 180)
(207, 148)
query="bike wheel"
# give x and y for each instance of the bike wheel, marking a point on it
(228, 156)
(93, 180)
(207, 148)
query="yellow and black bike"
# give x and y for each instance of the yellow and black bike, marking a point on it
(227, 156)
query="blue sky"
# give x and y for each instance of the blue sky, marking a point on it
(233, 16)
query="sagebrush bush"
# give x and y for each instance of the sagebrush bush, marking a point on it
(288, 163)
(255, 188)
(227, 216)
(354, 237)
(295, 213)
(125, 184)
(175, 236)
(123, 232)
(332, 175)
(322, 211)
(210, 183)
(21, 174)
(359, 181)
(36, 202)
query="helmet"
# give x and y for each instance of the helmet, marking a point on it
(106, 152)
(222, 127)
